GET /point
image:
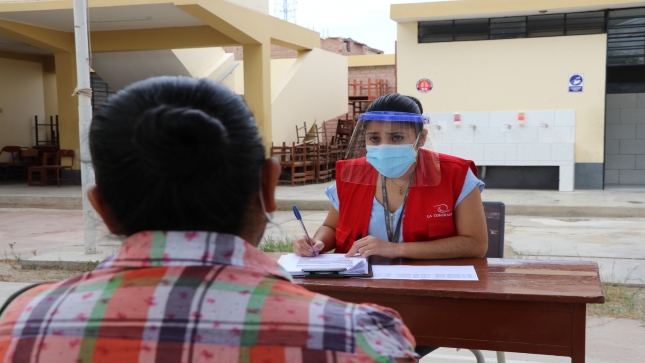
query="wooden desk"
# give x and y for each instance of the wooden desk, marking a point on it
(536, 307)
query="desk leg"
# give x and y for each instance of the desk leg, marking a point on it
(579, 329)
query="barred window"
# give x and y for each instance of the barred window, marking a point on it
(507, 28)
(512, 27)
(626, 37)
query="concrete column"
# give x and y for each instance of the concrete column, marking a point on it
(67, 105)
(257, 86)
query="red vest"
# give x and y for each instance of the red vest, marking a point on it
(428, 211)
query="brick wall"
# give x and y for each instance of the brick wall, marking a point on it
(373, 72)
(344, 46)
(347, 46)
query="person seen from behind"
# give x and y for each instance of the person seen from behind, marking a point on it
(181, 173)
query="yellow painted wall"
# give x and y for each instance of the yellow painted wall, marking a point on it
(314, 88)
(67, 104)
(51, 98)
(21, 97)
(257, 5)
(509, 75)
(371, 60)
(279, 69)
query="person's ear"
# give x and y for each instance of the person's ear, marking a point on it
(270, 175)
(101, 208)
(422, 138)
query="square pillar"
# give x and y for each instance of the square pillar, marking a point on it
(257, 86)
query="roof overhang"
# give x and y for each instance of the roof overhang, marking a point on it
(47, 27)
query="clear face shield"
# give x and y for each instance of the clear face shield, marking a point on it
(395, 145)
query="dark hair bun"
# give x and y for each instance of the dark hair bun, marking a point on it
(396, 102)
(174, 142)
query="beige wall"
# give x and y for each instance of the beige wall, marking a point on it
(511, 75)
(279, 67)
(314, 88)
(371, 60)
(279, 70)
(257, 5)
(21, 97)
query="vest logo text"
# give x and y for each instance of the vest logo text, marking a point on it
(442, 210)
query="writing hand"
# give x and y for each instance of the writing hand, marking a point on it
(372, 246)
(302, 248)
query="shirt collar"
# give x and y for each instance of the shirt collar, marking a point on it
(193, 248)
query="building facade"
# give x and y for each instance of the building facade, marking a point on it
(542, 94)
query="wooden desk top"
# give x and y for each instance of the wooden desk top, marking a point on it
(499, 279)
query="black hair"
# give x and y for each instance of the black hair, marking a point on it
(397, 102)
(176, 153)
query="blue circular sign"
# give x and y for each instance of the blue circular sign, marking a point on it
(575, 80)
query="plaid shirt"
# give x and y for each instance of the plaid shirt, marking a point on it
(194, 297)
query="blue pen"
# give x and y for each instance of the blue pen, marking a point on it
(299, 218)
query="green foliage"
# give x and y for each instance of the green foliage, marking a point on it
(272, 244)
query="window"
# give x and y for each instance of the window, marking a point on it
(547, 25)
(507, 28)
(585, 23)
(626, 37)
(471, 29)
(435, 31)
(551, 25)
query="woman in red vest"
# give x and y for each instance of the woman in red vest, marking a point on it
(390, 189)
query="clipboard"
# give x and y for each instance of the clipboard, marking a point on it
(325, 266)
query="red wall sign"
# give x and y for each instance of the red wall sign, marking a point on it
(424, 85)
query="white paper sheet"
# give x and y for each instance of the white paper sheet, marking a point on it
(403, 272)
(294, 264)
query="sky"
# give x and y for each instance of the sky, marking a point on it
(365, 21)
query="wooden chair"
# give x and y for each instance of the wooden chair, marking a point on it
(47, 160)
(320, 155)
(13, 163)
(344, 130)
(321, 134)
(28, 159)
(301, 132)
(61, 155)
(296, 166)
(51, 164)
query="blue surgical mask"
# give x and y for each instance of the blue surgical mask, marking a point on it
(392, 161)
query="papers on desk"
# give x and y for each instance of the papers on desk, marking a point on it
(295, 264)
(404, 272)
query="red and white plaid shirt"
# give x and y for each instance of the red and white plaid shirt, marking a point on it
(194, 297)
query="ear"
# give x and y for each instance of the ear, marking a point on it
(422, 138)
(270, 174)
(101, 208)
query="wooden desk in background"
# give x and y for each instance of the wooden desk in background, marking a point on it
(522, 306)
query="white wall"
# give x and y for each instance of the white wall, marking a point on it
(21, 97)
(546, 137)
